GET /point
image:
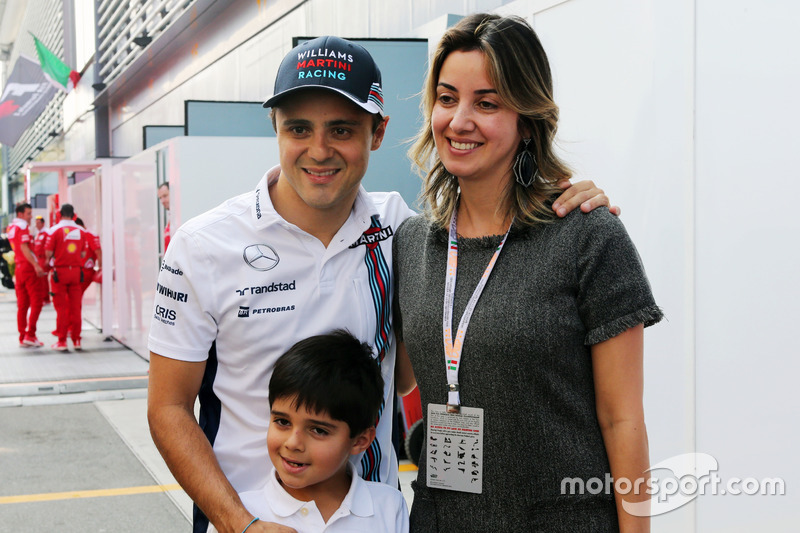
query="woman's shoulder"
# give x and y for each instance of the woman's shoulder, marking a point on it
(416, 227)
(579, 225)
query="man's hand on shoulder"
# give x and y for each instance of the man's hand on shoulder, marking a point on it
(584, 194)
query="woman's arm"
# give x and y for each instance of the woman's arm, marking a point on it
(619, 384)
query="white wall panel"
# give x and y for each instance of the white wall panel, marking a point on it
(748, 65)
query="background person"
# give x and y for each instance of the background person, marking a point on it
(26, 274)
(93, 261)
(549, 353)
(308, 250)
(163, 197)
(39, 241)
(66, 245)
(325, 394)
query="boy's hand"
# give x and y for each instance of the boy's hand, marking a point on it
(584, 194)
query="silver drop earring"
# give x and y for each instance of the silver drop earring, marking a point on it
(525, 168)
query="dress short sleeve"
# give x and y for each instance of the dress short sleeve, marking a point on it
(613, 291)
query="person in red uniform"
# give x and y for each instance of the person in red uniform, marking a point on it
(163, 196)
(27, 273)
(38, 250)
(66, 244)
(94, 256)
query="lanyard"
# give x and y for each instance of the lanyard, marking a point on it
(452, 349)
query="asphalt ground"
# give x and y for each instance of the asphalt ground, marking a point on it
(75, 451)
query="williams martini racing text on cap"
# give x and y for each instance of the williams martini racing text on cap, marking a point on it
(335, 64)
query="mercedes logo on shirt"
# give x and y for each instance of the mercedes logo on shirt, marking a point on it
(261, 257)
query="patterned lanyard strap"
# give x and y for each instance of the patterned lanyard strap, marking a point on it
(452, 349)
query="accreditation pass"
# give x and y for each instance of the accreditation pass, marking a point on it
(455, 449)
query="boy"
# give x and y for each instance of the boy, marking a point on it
(325, 394)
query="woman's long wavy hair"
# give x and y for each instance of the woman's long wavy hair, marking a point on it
(518, 68)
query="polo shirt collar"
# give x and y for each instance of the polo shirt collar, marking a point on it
(263, 212)
(66, 222)
(358, 500)
(20, 223)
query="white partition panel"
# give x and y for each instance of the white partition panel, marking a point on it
(202, 172)
(135, 249)
(85, 198)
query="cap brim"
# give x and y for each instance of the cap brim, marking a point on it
(369, 107)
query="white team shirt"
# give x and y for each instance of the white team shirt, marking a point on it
(241, 278)
(368, 506)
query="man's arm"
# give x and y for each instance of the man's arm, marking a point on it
(28, 254)
(171, 393)
(584, 194)
(404, 379)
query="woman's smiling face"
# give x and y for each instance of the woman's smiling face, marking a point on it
(476, 135)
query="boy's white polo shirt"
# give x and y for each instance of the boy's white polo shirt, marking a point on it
(239, 286)
(368, 506)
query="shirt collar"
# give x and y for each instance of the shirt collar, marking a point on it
(358, 500)
(66, 222)
(264, 214)
(20, 223)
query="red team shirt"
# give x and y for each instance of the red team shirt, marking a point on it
(92, 245)
(67, 240)
(19, 233)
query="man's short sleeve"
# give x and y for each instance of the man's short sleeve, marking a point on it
(183, 325)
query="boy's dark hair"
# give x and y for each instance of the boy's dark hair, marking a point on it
(22, 207)
(333, 373)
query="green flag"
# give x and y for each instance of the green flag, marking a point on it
(54, 69)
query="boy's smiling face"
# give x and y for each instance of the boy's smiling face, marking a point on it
(310, 449)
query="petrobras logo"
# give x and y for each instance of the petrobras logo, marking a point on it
(246, 312)
(261, 257)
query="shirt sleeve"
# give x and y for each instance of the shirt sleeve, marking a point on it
(183, 325)
(402, 516)
(613, 291)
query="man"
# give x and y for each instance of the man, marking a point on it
(38, 250)
(308, 251)
(163, 197)
(27, 273)
(66, 245)
(93, 258)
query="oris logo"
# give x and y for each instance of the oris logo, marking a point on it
(168, 314)
(261, 257)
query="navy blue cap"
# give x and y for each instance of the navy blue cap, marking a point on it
(335, 64)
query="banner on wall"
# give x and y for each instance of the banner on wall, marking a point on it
(25, 95)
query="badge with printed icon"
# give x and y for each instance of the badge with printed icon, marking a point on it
(454, 449)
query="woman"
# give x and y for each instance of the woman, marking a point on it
(552, 337)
